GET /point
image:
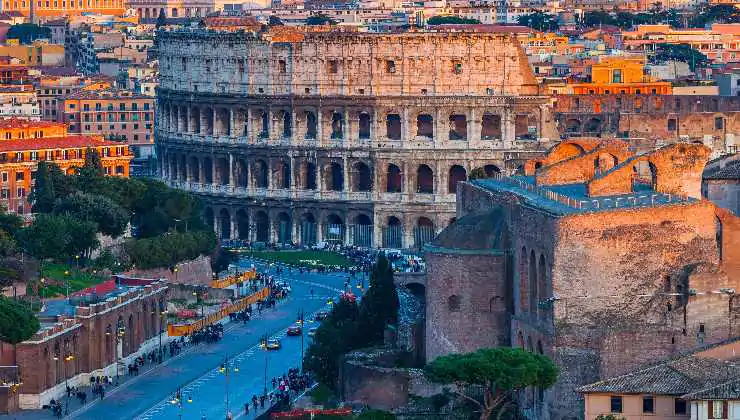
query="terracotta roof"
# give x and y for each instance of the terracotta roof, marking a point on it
(674, 377)
(725, 391)
(69, 142)
(505, 29)
(21, 123)
(106, 94)
(217, 21)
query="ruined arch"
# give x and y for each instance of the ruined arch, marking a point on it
(532, 279)
(308, 229)
(337, 125)
(333, 177)
(572, 126)
(645, 175)
(362, 179)
(224, 224)
(525, 127)
(207, 170)
(393, 233)
(490, 127)
(458, 127)
(393, 126)
(604, 162)
(207, 117)
(194, 169)
(281, 174)
(284, 228)
(208, 217)
(194, 124)
(424, 231)
(364, 125)
(262, 226)
(457, 174)
(424, 179)
(241, 175)
(264, 118)
(286, 123)
(425, 126)
(592, 126)
(362, 230)
(335, 228)
(222, 170)
(394, 179)
(260, 175)
(311, 125)
(242, 224)
(307, 174)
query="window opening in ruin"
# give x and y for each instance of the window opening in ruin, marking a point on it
(333, 66)
(718, 237)
(284, 175)
(615, 404)
(308, 176)
(282, 66)
(394, 181)
(361, 91)
(525, 127)
(490, 127)
(425, 126)
(337, 126)
(260, 174)
(671, 124)
(307, 91)
(457, 68)
(334, 177)
(424, 180)
(458, 127)
(208, 65)
(390, 66)
(423, 91)
(532, 281)
(453, 303)
(393, 126)
(719, 123)
(310, 125)
(265, 125)
(606, 91)
(241, 66)
(262, 223)
(577, 103)
(287, 129)
(489, 91)
(457, 174)
(364, 129)
(362, 177)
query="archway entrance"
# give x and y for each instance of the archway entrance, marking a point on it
(308, 229)
(362, 231)
(393, 233)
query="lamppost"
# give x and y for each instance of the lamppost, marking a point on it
(120, 332)
(226, 369)
(77, 262)
(67, 358)
(67, 273)
(301, 321)
(175, 270)
(263, 344)
(43, 287)
(161, 328)
(199, 294)
(177, 400)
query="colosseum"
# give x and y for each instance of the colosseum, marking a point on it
(298, 135)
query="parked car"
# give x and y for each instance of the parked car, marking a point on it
(294, 330)
(273, 344)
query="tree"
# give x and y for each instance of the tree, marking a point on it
(93, 166)
(10, 223)
(499, 371)
(379, 306)
(599, 17)
(43, 195)
(161, 19)
(540, 21)
(58, 236)
(11, 271)
(478, 173)
(453, 20)
(26, 33)
(680, 52)
(18, 323)
(111, 219)
(320, 19)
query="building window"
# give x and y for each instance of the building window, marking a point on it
(671, 124)
(5, 177)
(21, 192)
(146, 106)
(134, 106)
(615, 404)
(617, 76)
(717, 409)
(282, 66)
(679, 407)
(390, 66)
(719, 123)
(453, 303)
(648, 404)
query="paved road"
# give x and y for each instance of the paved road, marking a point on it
(197, 369)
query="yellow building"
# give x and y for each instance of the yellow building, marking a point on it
(40, 53)
(57, 8)
(621, 75)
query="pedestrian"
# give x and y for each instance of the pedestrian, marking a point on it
(246, 408)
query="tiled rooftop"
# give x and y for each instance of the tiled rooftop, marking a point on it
(69, 142)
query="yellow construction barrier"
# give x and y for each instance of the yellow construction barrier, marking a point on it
(176, 330)
(231, 280)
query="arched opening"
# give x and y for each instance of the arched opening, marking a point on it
(282, 174)
(334, 177)
(542, 284)
(362, 231)
(453, 303)
(393, 233)
(361, 177)
(241, 173)
(264, 124)
(490, 127)
(393, 126)
(262, 225)
(284, 228)
(242, 225)
(287, 124)
(394, 180)
(418, 290)
(194, 168)
(194, 120)
(334, 229)
(424, 232)
(222, 166)
(364, 132)
(425, 126)
(457, 174)
(310, 125)
(525, 127)
(208, 171)
(644, 176)
(183, 168)
(532, 278)
(573, 126)
(207, 117)
(337, 125)
(308, 175)
(208, 217)
(224, 224)
(592, 126)
(718, 237)
(222, 125)
(604, 162)
(260, 174)
(458, 127)
(308, 229)
(424, 180)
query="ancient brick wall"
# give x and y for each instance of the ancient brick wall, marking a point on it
(197, 271)
(368, 381)
(579, 169)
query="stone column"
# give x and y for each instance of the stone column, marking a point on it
(508, 128)
(231, 168)
(202, 171)
(202, 118)
(294, 229)
(406, 134)
(348, 128)
(319, 125)
(377, 230)
(293, 129)
(213, 170)
(232, 132)
(440, 128)
(292, 173)
(319, 176)
(406, 180)
(270, 184)
(345, 168)
(214, 126)
(473, 127)
(188, 126)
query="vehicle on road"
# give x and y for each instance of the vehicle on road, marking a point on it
(321, 315)
(312, 332)
(273, 344)
(294, 330)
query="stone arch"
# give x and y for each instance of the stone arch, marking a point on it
(224, 224)
(457, 174)
(573, 126)
(362, 178)
(604, 162)
(207, 171)
(307, 174)
(242, 225)
(334, 228)
(424, 179)
(286, 124)
(222, 124)
(194, 120)
(262, 226)
(645, 174)
(532, 280)
(362, 230)
(208, 217)
(308, 229)
(264, 118)
(542, 282)
(333, 177)
(311, 125)
(425, 126)
(592, 125)
(241, 174)
(393, 128)
(284, 228)
(260, 174)
(364, 125)
(207, 118)
(222, 170)
(458, 127)
(525, 127)
(194, 169)
(337, 125)
(424, 231)
(453, 303)
(281, 174)
(394, 179)
(393, 233)
(490, 127)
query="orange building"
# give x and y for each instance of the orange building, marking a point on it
(118, 114)
(621, 75)
(58, 8)
(24, 143)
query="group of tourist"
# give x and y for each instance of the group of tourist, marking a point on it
(283, 387)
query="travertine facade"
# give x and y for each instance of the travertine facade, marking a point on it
(308, 136)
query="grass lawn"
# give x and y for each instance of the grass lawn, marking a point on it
(78, 280)
(303, 257)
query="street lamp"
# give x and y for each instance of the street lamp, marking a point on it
(177, 400)
(67, 273)
(120, 332)
(263, 344)
(199, 294)
(43, 286)
(77, 261)
(301, 320)
(68, 358)
(175, 270)
(225, 369)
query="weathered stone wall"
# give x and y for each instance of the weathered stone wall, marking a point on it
(197, 271)
(368, 377)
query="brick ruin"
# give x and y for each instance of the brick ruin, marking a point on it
(299, 135)
(601, 259)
